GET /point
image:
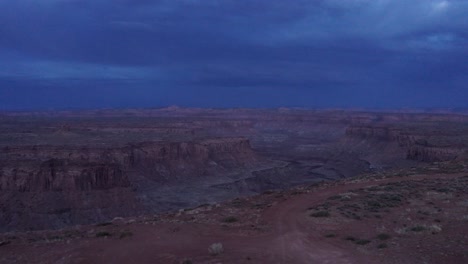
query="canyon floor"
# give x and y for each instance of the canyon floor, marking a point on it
(233, 186)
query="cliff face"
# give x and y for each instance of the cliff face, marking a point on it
(416, 146)
(431, 154)
(382, 133)
(45, 168)
(62, 185)
(59, 175)
(169, 162)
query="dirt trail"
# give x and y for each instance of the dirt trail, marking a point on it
(294, 238)
(291, 239)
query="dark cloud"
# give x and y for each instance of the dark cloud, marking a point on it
(191, 52)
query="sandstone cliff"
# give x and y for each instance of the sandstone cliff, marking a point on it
(53, 186)
(416, 146)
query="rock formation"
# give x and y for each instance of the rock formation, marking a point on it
(52, 186)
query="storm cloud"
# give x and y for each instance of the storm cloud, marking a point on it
(233, 53)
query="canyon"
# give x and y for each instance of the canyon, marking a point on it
(60, 169)
(183, 185)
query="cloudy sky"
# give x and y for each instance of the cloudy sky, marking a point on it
(233, 53)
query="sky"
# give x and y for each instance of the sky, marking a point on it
(57, 54)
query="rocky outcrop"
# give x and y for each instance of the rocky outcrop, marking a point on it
(417, 147)
(54, 186)
(47, 168)
(59, 175)
(382, 133)
(178, 160)
(431, 154)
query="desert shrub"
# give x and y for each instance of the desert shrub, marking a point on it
(230, 219)
(320, 214)
(4, 243)
(296, 192)
(334, 197)
(103, 234)
(215, 249)
(418, 228)
(330, 235)
(350, 238)
(374, 204)
(55, 238)
(442, 190)
(382, 245)
(383, 236)
(362, 241)
(237, 202)
(435, 229)
(382, 201)
(104, 224)
(125, 234)
(186, 261)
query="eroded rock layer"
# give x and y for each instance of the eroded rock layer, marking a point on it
(51, 186)
(79, 167)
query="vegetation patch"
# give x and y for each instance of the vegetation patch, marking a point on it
(382, 245)
(230, 219)
(125, 234)
(104, 224)
(334, 197)
(321, 214)
(418, 228)
(215, 249)
(4, 243)
(383, 236)
(362, 241)
(103, 234)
